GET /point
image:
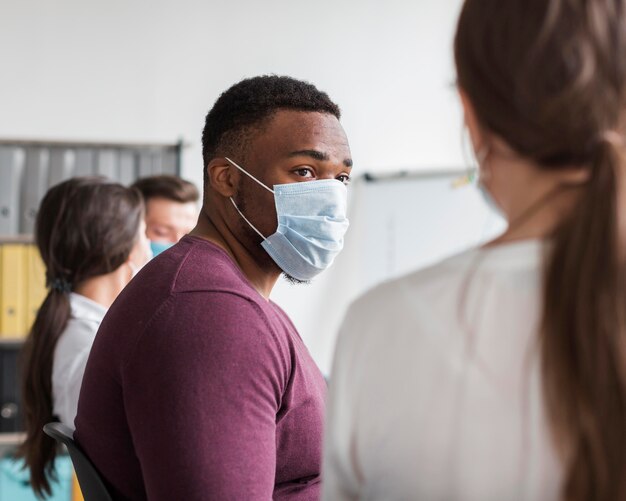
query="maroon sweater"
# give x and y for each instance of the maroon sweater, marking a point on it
(198, 388)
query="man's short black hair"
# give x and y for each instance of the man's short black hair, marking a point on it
(247, 104)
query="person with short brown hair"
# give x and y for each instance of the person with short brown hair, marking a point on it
(171, 209)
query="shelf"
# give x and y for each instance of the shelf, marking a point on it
(12, 438)
(17, 239)
(48, 143)
(12, 341)
(10, 441)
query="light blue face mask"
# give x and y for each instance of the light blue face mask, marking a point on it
(158, 247)
(311, 225)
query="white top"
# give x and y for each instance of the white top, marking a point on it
(70, 356)
(435, 392)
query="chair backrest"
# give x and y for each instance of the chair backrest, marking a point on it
(91, 483)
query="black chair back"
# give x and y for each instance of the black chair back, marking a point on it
(91, 483)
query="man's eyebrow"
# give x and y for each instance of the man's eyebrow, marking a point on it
(315, 154)
(318, 155)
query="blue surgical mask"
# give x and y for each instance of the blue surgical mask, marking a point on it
(311, 225)
(158, 247)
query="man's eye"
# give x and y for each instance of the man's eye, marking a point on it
(344, 178)
(304, 172)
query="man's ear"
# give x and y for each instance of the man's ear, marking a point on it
(223, 178)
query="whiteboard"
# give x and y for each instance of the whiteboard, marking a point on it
(398, 223)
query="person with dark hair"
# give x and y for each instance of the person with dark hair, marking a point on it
(91, 237)
(171, 209)
(499, 373)
(198, 385)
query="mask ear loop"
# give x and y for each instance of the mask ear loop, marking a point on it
(482, 172)
(233, 202)
(471, 169)
(247, 174)
(246, 219)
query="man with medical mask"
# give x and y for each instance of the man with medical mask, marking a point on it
(171, 209)
(199, 386)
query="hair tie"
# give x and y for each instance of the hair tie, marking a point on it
(60, 285)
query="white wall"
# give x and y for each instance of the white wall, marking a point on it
(150, 70)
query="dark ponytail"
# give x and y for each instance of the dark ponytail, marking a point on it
(85, 227)
(549, 78)
(38, 449)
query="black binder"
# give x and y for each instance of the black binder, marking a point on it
(10, 406)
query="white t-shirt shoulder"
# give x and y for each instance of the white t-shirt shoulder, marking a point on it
(71, 354)
(435, 390)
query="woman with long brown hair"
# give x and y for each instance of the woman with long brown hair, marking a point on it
(500, 374)
(91, 236)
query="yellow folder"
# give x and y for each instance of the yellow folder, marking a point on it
(77, 495)
(36, 284)
(13, 291)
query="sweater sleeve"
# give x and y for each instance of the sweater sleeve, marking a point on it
(202, 390)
